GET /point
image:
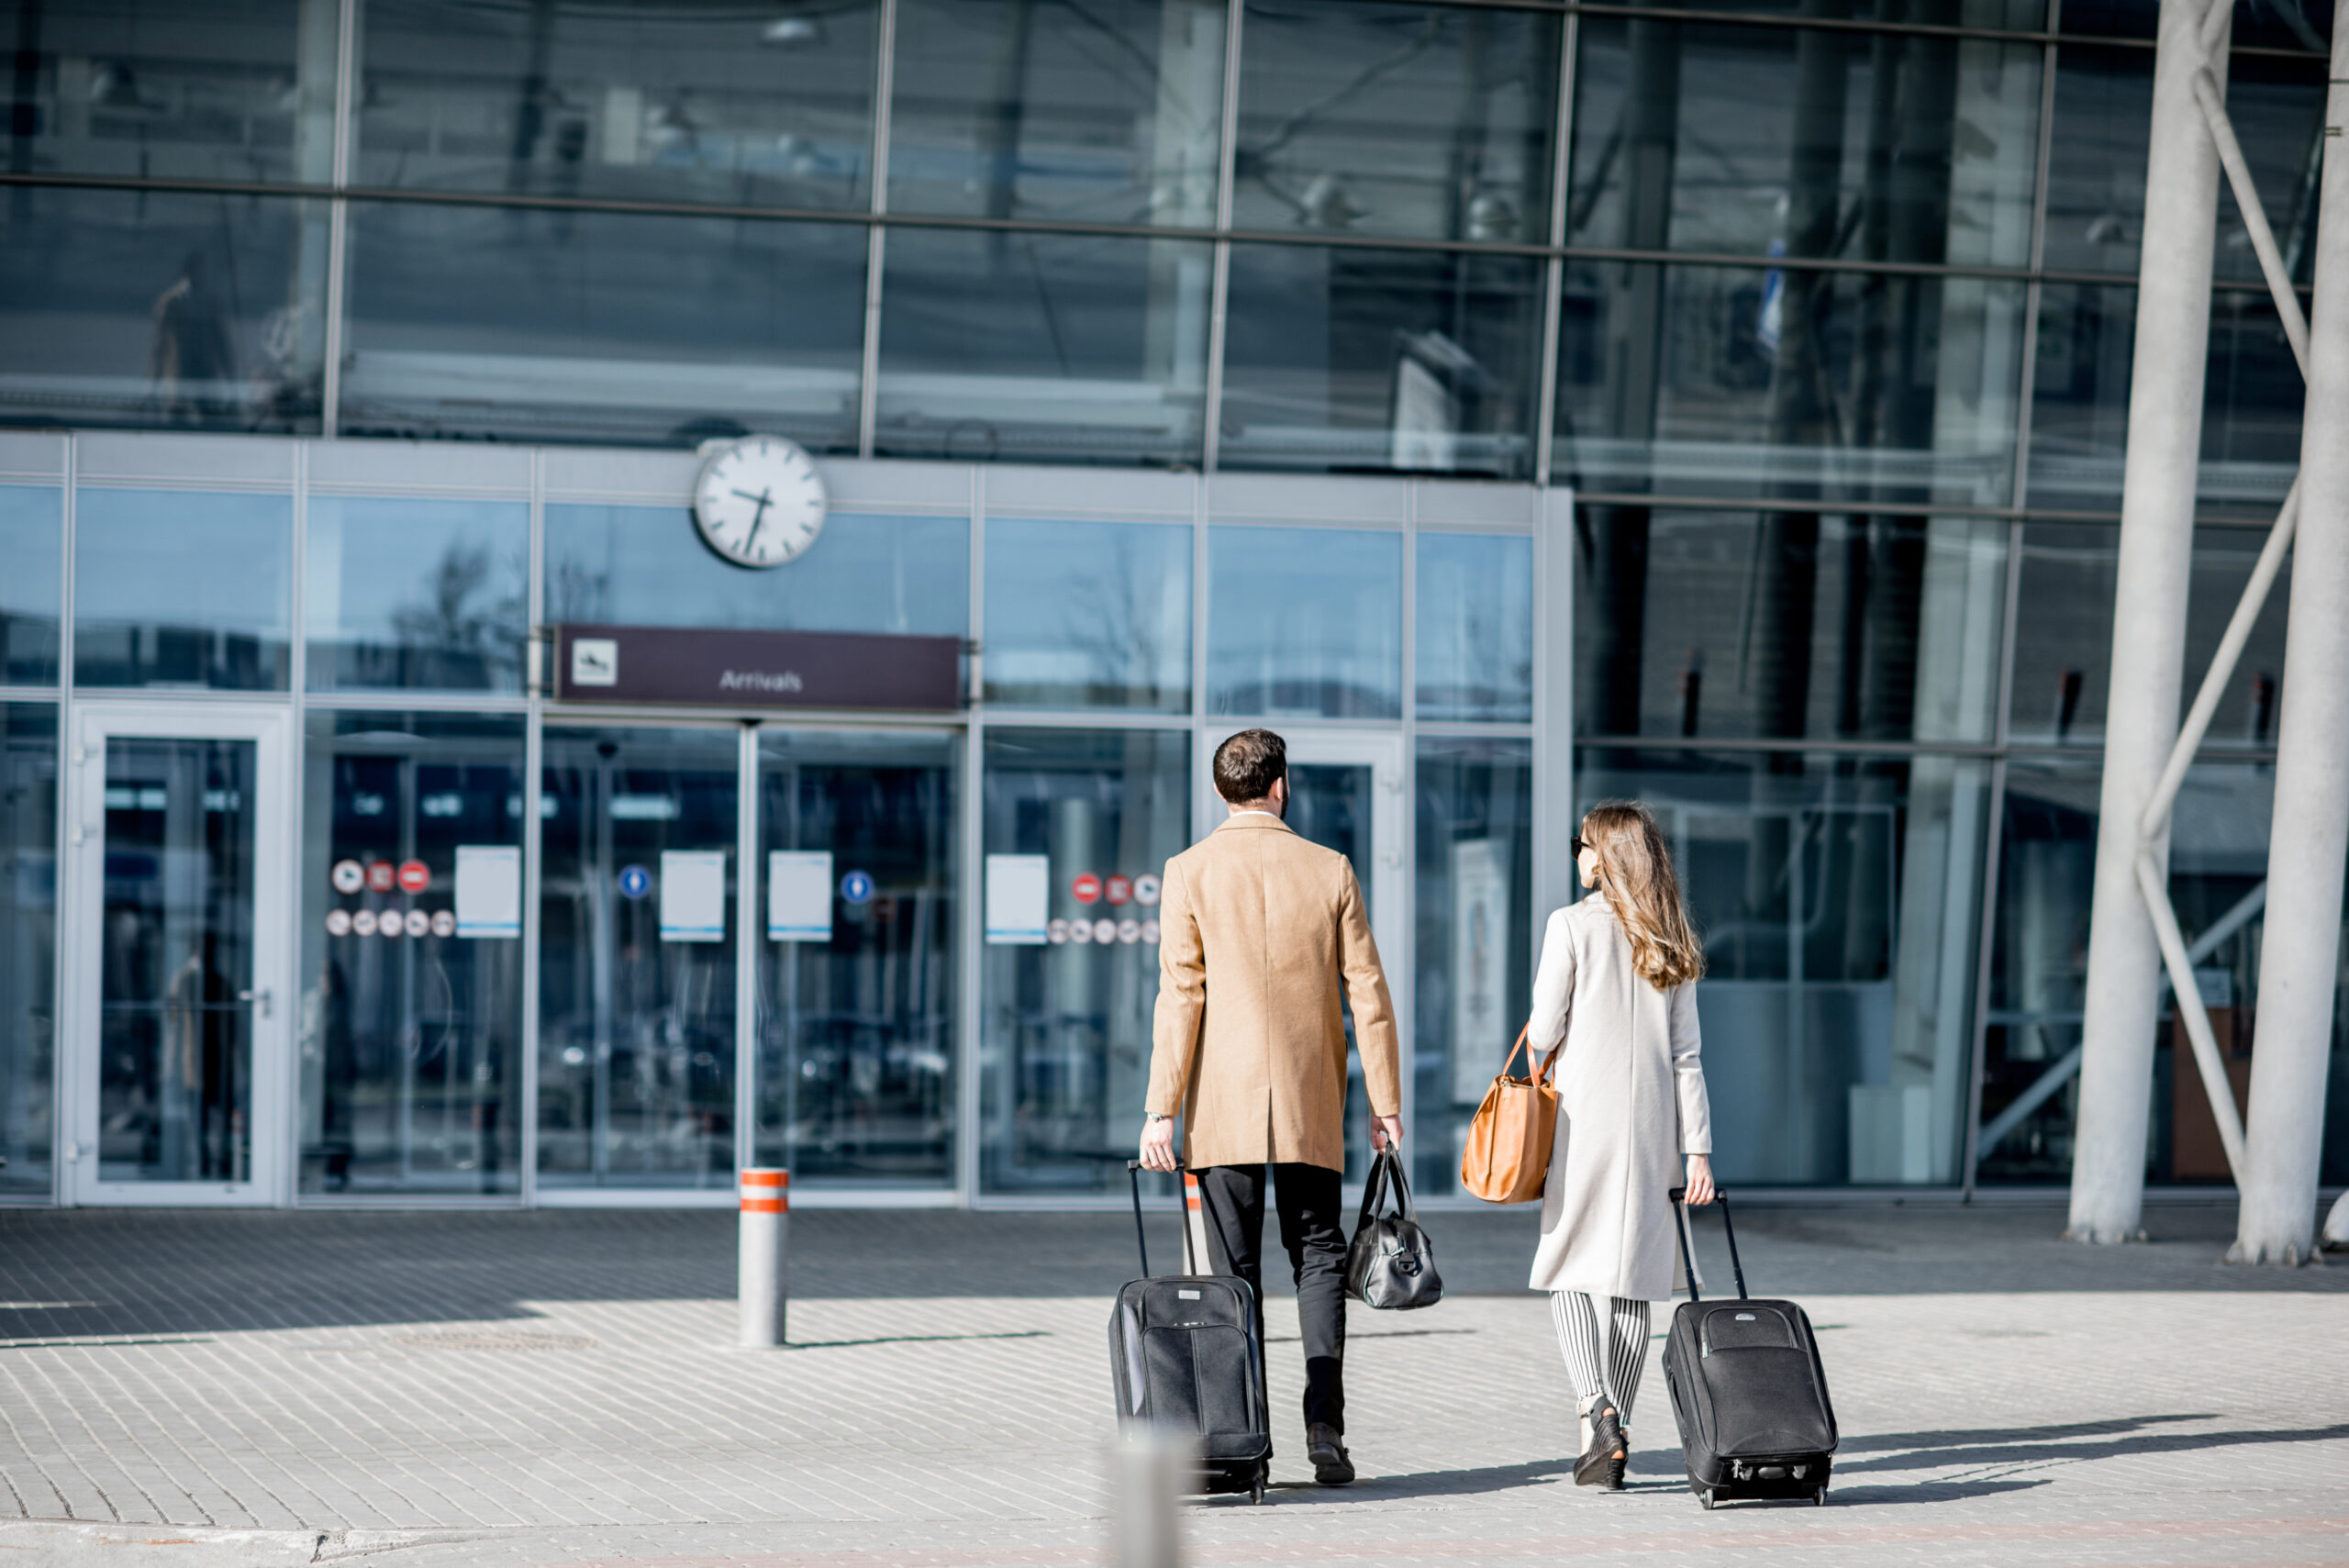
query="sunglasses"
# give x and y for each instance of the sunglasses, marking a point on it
(1577, 844)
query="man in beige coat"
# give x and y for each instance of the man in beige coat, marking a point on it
(1263, 938)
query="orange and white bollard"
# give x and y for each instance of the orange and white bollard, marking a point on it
(763, 1278)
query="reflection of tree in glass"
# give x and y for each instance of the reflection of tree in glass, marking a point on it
(464, 617)
(1115, 615)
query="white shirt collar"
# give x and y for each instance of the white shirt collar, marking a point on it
(1257, 811)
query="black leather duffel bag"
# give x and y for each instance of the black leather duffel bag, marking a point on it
(1391, 1263)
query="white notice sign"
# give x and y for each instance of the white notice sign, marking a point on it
(799, 896)
(693, 895)
(489, 890)
(1481, 1028)
(1019, 896)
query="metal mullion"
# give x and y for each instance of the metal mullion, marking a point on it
(748, 947)
(64, 910)
(533, 772)
(346, 105)
(884, 80)
(1554, 271)
(1220, 284)
(971, 907)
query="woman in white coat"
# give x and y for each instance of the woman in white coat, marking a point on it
(1615, 995)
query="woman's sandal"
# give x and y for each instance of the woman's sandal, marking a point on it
(1601, 1464)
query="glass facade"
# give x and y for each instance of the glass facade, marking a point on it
(1193, 365)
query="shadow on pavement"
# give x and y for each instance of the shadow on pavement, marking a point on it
(2025, 1452)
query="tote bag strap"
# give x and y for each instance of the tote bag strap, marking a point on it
(1537, 1071)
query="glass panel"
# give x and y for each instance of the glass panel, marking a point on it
(1425, 121)
(1043, 347)
(2063, 633)
(1329, 805)
(1472, 887)
(1381, 361)
(175, 89)
(2095, 171)
(601, 327)
(1474, 601)
(1066, 1041)
(644, 566)
(162, 310)
(1305, 621)
(1780, 624)
(1884, 148)
(1713, 380)
(176, 1021)
(1089, 614)
(1109, 111)
(2039, 968)
(636, 958)
(857, 974)
(410, 1027)
(32, 541)
(763, 104)
(27, 947)
(2266, 24)
(2251, 403)
(1990, 15)
(182, 588)
(1835, 896)
(416, 593)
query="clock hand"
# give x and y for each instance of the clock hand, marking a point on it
(766, 498)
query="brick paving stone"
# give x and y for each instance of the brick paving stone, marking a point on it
(481, 1389)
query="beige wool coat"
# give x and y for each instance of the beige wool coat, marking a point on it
(1262, 935)
(1630, 1103)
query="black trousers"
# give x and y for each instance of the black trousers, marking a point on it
(1231, 1199)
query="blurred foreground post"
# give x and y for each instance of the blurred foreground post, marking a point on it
(766, 1219)
(1149, 1469)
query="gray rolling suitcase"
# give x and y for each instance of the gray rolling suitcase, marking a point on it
(1748, 1391)
(1183, 1352)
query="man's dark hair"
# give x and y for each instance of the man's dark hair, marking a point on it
(1247, 764)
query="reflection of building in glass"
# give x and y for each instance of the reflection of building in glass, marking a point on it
(1518, 403)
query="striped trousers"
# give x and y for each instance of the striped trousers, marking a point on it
(1602, 1361)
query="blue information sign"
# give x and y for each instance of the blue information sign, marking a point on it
(857, 887)
(635, 882)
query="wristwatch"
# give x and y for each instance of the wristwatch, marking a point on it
(1149, 1116)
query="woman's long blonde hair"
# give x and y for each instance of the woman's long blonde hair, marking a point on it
(1635, 873)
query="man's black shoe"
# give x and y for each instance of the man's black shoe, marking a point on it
(1332, 1467)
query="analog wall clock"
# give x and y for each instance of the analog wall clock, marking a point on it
(759, 501)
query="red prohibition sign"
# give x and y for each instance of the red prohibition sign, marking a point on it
(381, 876)
(415, 876)
(1119, 889)
(1087, 888)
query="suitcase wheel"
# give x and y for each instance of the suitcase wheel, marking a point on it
(1704, 1498)
(1819, 1498)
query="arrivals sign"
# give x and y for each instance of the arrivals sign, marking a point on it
(714, 668)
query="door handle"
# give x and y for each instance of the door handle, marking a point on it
(259, 997)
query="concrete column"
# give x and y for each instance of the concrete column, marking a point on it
(2300, 953)
(2182, 177)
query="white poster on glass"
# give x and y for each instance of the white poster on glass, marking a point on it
(799, 896)
(1019, 896)
(1481, 1027)
(693, 895)
(489, 890)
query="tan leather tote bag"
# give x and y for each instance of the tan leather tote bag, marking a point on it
(1508, 1156)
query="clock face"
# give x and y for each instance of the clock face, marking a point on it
(759, 501)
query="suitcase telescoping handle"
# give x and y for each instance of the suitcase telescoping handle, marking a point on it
(1182, 1207)
(1680, 1227)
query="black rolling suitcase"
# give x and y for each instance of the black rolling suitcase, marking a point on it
(1183, 1352)
(1748, 1391)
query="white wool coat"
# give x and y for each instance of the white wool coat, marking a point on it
(1630, 1103)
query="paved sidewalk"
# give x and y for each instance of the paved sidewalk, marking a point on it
(494, 1389)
